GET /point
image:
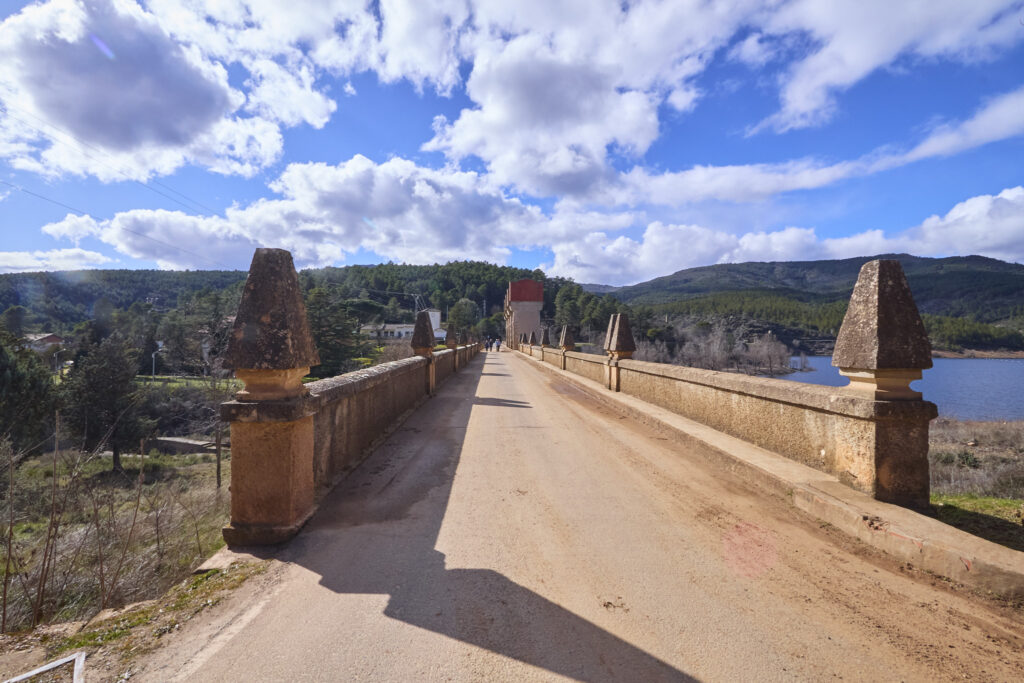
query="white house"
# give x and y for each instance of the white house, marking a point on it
(388, 331)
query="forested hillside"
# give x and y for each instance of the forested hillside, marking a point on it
(56, 302)
(958, 285)
(967, 302)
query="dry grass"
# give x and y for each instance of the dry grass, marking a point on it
(977, 478)
(114, 641)
(118, 537)
(979, 458)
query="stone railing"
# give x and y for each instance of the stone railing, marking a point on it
(872, 435)
(290, 443)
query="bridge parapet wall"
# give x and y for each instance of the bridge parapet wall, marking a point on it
(833, 429)
(848, 436)
(353, 410)
(291, 442)
(444, 364)
(872, 435)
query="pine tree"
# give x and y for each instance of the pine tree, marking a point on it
(101, 399)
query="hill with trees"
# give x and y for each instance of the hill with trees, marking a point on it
(969, 302)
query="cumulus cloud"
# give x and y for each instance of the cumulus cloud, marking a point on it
(55, 259)
(989, 225)
(997, 119)
(562, 95)
(545, 122)
(396, 209)
(753, 50)
(102, 89)
(852, 40)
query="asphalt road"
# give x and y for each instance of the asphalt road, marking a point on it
(516, 529)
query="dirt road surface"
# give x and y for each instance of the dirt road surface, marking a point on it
(515, 529)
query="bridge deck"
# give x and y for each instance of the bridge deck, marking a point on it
(515, 529)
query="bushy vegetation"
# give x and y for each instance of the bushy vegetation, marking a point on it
(956, 334)
(977, 477)
(56, 302)
(27, 394)
(79, 537)
(815, 314)
(822, 316)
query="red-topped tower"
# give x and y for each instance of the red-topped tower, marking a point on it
(523, 301)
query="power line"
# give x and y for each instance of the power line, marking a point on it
(6, 108)
(134, 232)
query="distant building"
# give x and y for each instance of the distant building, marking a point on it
(388, 331)
(523, 301)
(42, 341)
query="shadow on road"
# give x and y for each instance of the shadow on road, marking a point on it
(376, 533)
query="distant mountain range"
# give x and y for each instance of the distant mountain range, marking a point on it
(974, 287)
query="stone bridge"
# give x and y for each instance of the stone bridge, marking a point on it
(543, 514)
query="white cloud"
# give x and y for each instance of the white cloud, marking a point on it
(989, 225)
(102, 89)
(545, 122)
(55, 259)
(753, 50)
(287, 94)
(396, 209)
(622, 260)
(997, 119)
(559, 91)
(854, 39)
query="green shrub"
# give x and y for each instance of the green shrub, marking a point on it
(968, 459)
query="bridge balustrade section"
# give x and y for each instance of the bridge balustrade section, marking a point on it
(871, 435)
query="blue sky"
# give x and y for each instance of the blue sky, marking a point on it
(610, 142)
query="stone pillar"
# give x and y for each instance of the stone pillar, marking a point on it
(271, 349)
(567, 342)
(423, 345)
(882, 346)
(451, 340)
(619, 344)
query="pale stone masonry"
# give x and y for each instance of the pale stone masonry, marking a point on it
(872, 435)
(292, 442)
(882, 345)
(271, 349)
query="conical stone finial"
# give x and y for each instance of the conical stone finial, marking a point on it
(533, 338)
(450, 339)
(271, 347)
(545, 337)
(566, 340)
(423, 335)
(271, 331)
(882, 345)
(620, 339)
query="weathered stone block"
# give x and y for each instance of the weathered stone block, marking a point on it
(882, 329)
(270, 330)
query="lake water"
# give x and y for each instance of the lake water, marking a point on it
(966, 388)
